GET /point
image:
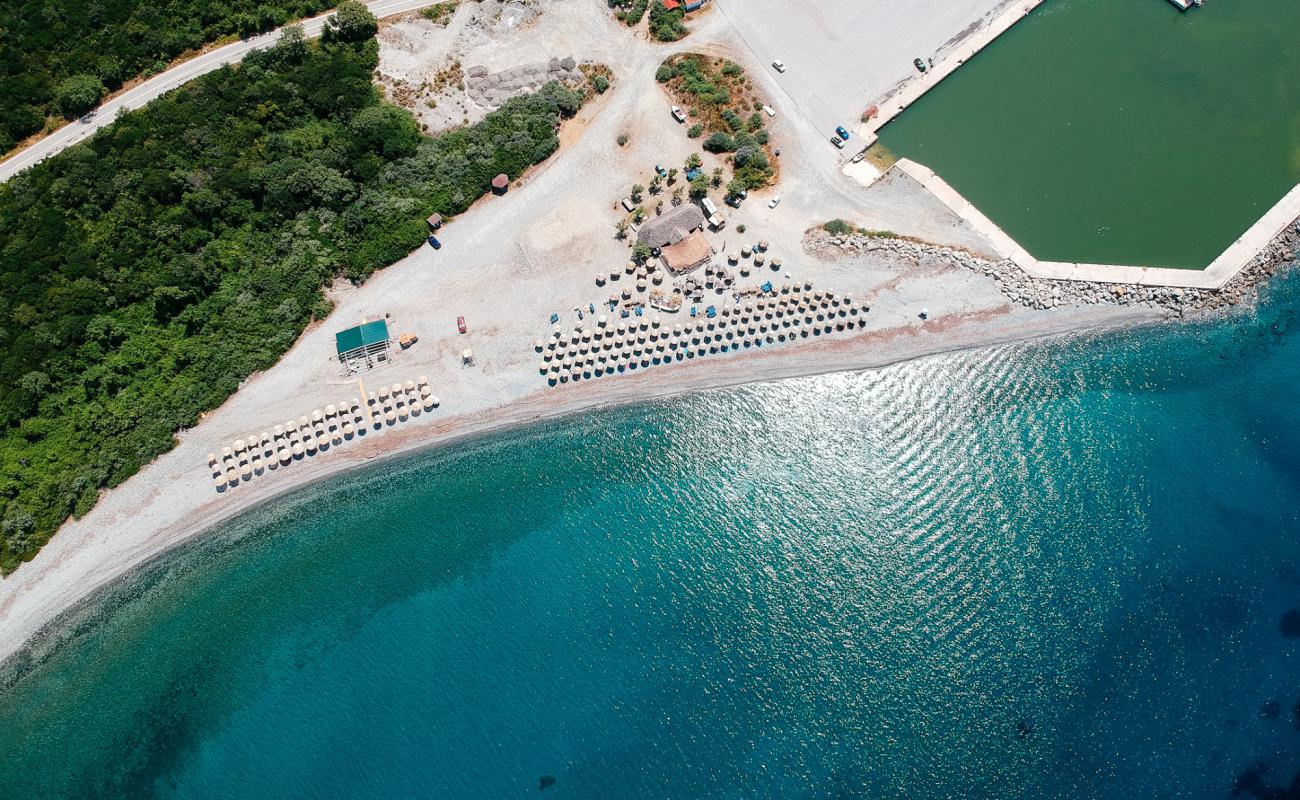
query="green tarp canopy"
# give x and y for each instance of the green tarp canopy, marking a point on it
(361, 336)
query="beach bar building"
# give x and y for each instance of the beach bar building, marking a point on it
(363, 346)
(688, 254)
(672, 226)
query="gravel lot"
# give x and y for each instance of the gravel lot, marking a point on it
(842, 55)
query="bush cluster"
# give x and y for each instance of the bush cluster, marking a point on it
(629, 11)
(667, 25)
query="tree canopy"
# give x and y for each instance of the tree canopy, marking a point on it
(145, 273)
(352, 22)
(46, 43)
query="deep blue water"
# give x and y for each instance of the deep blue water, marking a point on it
(1050, 570)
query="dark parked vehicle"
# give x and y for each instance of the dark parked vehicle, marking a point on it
(842, 132)
(434, 243)
(919, 64)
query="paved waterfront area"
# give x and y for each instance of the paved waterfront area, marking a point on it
(843, 55)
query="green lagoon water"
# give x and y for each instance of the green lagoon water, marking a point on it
(1121, 131)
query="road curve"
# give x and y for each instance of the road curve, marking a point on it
(164, 82)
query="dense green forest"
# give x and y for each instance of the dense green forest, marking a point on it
(145, 273)
(61, 56)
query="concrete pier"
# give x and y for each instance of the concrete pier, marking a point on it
(1231, 261)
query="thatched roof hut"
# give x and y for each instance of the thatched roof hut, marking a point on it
(671, 226)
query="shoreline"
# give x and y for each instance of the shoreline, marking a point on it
(43, 605)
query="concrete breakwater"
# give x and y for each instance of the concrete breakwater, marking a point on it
(1039, 293)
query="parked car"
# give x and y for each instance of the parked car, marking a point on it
(460, 325)
(660, 171)
(678, 114)
(841, 132)
(778, 65)
(434, 243)
(838, 142)
(919, 64)
(774, 202)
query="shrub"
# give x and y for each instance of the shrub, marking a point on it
(695, 131)
(838, 227)
(665, 73)
(440, 13)
(622, 139)
(719, 143)
(600, 83)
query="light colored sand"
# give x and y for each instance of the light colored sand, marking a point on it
(509, 262)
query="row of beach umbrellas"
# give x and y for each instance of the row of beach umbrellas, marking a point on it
(759, 323)
(293, 440)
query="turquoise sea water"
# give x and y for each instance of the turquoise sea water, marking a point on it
(1050, 570)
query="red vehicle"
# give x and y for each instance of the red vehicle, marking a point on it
(460, 324)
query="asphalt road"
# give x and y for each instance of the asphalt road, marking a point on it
(164, 82)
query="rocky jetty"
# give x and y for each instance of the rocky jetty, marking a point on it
(1043, 294)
